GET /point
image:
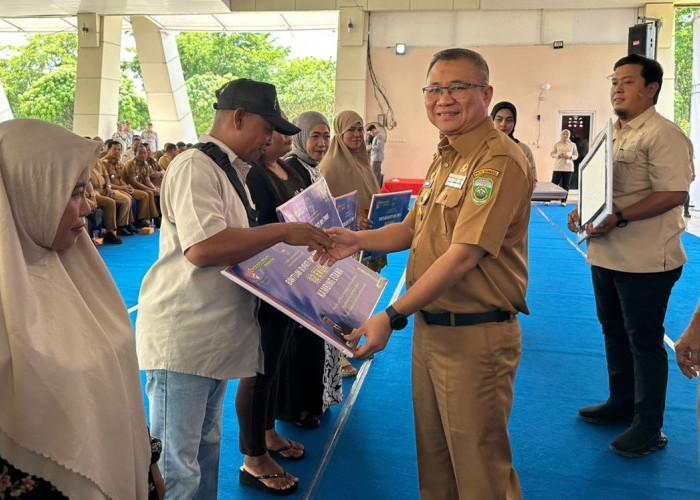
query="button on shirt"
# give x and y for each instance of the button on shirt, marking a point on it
(650, 154)
(192, 319)
(477, 192)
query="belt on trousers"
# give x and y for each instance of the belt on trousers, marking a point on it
(452, 319)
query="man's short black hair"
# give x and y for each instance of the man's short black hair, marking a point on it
(456, 54)
(111, 142)
(181, 144)
(371, 127)
(652, 72)
(169, 146)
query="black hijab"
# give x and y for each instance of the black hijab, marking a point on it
(506, 105)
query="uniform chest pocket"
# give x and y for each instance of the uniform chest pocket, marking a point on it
(450, 201)
(627, 153)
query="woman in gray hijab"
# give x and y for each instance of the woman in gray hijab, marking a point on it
(310, 379)
(311, 144)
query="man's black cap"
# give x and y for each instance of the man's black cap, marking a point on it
(255, 97)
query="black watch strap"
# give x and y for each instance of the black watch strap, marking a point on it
(621, 221)
(397, 320)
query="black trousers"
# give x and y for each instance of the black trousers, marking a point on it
(562, 179)
(631, 309)
(256, 396)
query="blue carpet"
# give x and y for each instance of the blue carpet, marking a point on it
(372, 455)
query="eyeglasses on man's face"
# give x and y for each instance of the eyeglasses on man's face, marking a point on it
(456, 90)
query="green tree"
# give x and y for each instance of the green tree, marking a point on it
(306, 84)
(20, 67)
(50, 97)
(200, 90)
(684, 66)
(132, 106)
(247, 55)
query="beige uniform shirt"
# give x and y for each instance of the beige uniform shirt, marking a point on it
(115, 170)
(140, 170)
(164, 161)
(564, 164)
(477, 191)
(650, 154)
(192, 319)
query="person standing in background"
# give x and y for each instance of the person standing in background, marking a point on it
(565, 153)
(636, 256)
(150, 136)
(376, 152)
(505, 116)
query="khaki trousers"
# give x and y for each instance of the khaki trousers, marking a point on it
(123, 205)
(462, 397)
(110, 207)
(145, 203)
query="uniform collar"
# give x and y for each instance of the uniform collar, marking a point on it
(470, 140)
(639, 121)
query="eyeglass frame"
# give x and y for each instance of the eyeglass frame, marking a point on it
(451, 88)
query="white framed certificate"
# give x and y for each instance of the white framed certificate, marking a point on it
(595, 180)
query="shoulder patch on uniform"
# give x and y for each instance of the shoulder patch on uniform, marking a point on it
(486, 171)
(481, 190)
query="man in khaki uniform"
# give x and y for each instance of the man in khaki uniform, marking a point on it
(137, 173)
(170, 153)
(113, 202)
(115, 169)
(636, 256)
(466, 280)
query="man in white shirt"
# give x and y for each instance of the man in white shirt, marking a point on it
(195, 329)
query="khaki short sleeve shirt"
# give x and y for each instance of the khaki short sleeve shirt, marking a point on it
(650, 154)
(477, 191)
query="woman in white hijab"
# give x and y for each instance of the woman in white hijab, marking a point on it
(71, 410)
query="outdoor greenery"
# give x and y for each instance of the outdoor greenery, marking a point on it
(684, 66)
(39, 77)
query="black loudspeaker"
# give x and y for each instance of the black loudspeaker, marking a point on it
(641, 40)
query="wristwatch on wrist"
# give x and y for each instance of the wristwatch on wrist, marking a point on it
(621, 221)
(397, 320)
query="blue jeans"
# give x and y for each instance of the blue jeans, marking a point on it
(185, 413)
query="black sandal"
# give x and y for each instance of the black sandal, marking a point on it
(247, 479)
(290, 446)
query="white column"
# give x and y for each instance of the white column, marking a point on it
(168, 104)
(97, 82)
(351, 68)
(5, 111)
(695, 105)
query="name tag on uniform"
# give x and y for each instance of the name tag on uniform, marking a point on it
(428, 183)
(455, 181)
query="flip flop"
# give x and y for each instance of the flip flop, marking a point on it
(247, 479)
(290, 446)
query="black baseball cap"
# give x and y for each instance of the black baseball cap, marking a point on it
(255, 97)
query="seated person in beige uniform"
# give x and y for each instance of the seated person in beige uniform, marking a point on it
(170, 153)
(109, 209)
(138, 175)
(116, 204)
(465, 281)
(157, 172)
(145, 207)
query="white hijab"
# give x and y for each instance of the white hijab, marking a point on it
(71, 409)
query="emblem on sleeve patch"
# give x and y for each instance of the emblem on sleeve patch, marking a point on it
(487, 171)
(481, 190)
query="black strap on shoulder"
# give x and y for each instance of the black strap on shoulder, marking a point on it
(221, 159)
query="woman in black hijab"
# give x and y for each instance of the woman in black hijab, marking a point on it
(504, 116)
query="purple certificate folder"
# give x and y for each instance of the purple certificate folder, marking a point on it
(347, 209)
(329, 301)
(386, 208)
